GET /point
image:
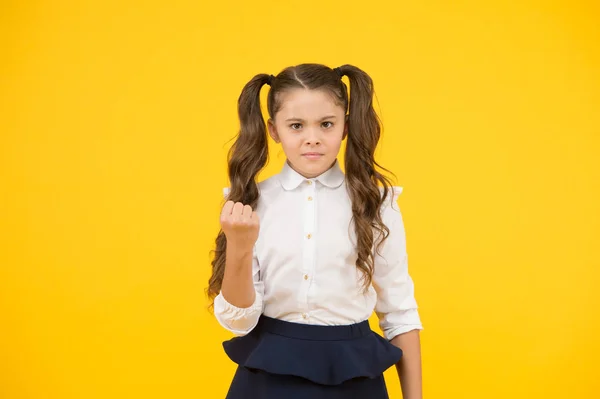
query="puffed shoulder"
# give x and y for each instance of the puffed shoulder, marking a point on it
(390, 203)
(263, 186)
(396, 191)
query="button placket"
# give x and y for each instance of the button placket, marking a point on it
(309, 245)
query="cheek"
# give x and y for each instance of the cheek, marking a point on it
(336, 138)
(290, 142)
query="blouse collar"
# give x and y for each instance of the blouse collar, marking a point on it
(290, 179)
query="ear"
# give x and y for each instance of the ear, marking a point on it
(272, 130)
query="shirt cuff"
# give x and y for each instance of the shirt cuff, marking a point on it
(239, 321)
(406, 321)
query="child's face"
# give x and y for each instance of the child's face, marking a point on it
(309, 121)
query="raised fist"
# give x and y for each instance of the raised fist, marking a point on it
(240, 224)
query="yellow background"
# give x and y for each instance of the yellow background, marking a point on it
(115, 119)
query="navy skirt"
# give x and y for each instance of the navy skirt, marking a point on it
(284, 360)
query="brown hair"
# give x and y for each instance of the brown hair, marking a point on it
(249, 154)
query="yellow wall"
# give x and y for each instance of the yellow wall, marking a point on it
(114, 125)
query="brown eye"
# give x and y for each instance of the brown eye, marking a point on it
(295, 124)
(330, 124)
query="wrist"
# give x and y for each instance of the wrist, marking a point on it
(240, 251)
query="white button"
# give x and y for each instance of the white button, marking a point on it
(310, 198)
(306, 276)
(304, 316)
(309, 236)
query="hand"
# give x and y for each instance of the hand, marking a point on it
(240, 224)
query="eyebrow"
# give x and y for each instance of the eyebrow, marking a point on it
(302, 120)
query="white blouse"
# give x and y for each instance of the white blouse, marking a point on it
(304, 260)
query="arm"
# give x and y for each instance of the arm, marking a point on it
(396, 305)
(239, 304)
(237, 287)
(409, 367)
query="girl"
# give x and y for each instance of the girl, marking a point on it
(304, 257)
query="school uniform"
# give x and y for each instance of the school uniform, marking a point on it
(306, 335)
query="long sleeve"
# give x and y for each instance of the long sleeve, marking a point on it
(396, 305)
(240, 321)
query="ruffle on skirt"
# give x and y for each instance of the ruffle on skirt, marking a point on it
(327, 355)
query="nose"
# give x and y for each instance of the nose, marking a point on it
(313, 137)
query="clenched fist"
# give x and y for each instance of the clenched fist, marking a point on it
(240, 224)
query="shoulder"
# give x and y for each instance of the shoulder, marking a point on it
(390, 212)
(395, 190)
(390, 202)
(264, 187)
(269, 184)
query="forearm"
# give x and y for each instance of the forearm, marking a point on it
(238, 287)
(409, 367)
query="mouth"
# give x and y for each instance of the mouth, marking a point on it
(312, 155)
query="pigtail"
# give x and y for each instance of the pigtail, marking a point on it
(363, 180)
(246, 158)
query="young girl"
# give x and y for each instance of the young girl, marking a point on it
(304, 257)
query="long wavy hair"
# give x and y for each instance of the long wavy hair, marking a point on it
(249, 154)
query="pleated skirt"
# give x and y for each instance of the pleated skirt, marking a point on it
(284, 360)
